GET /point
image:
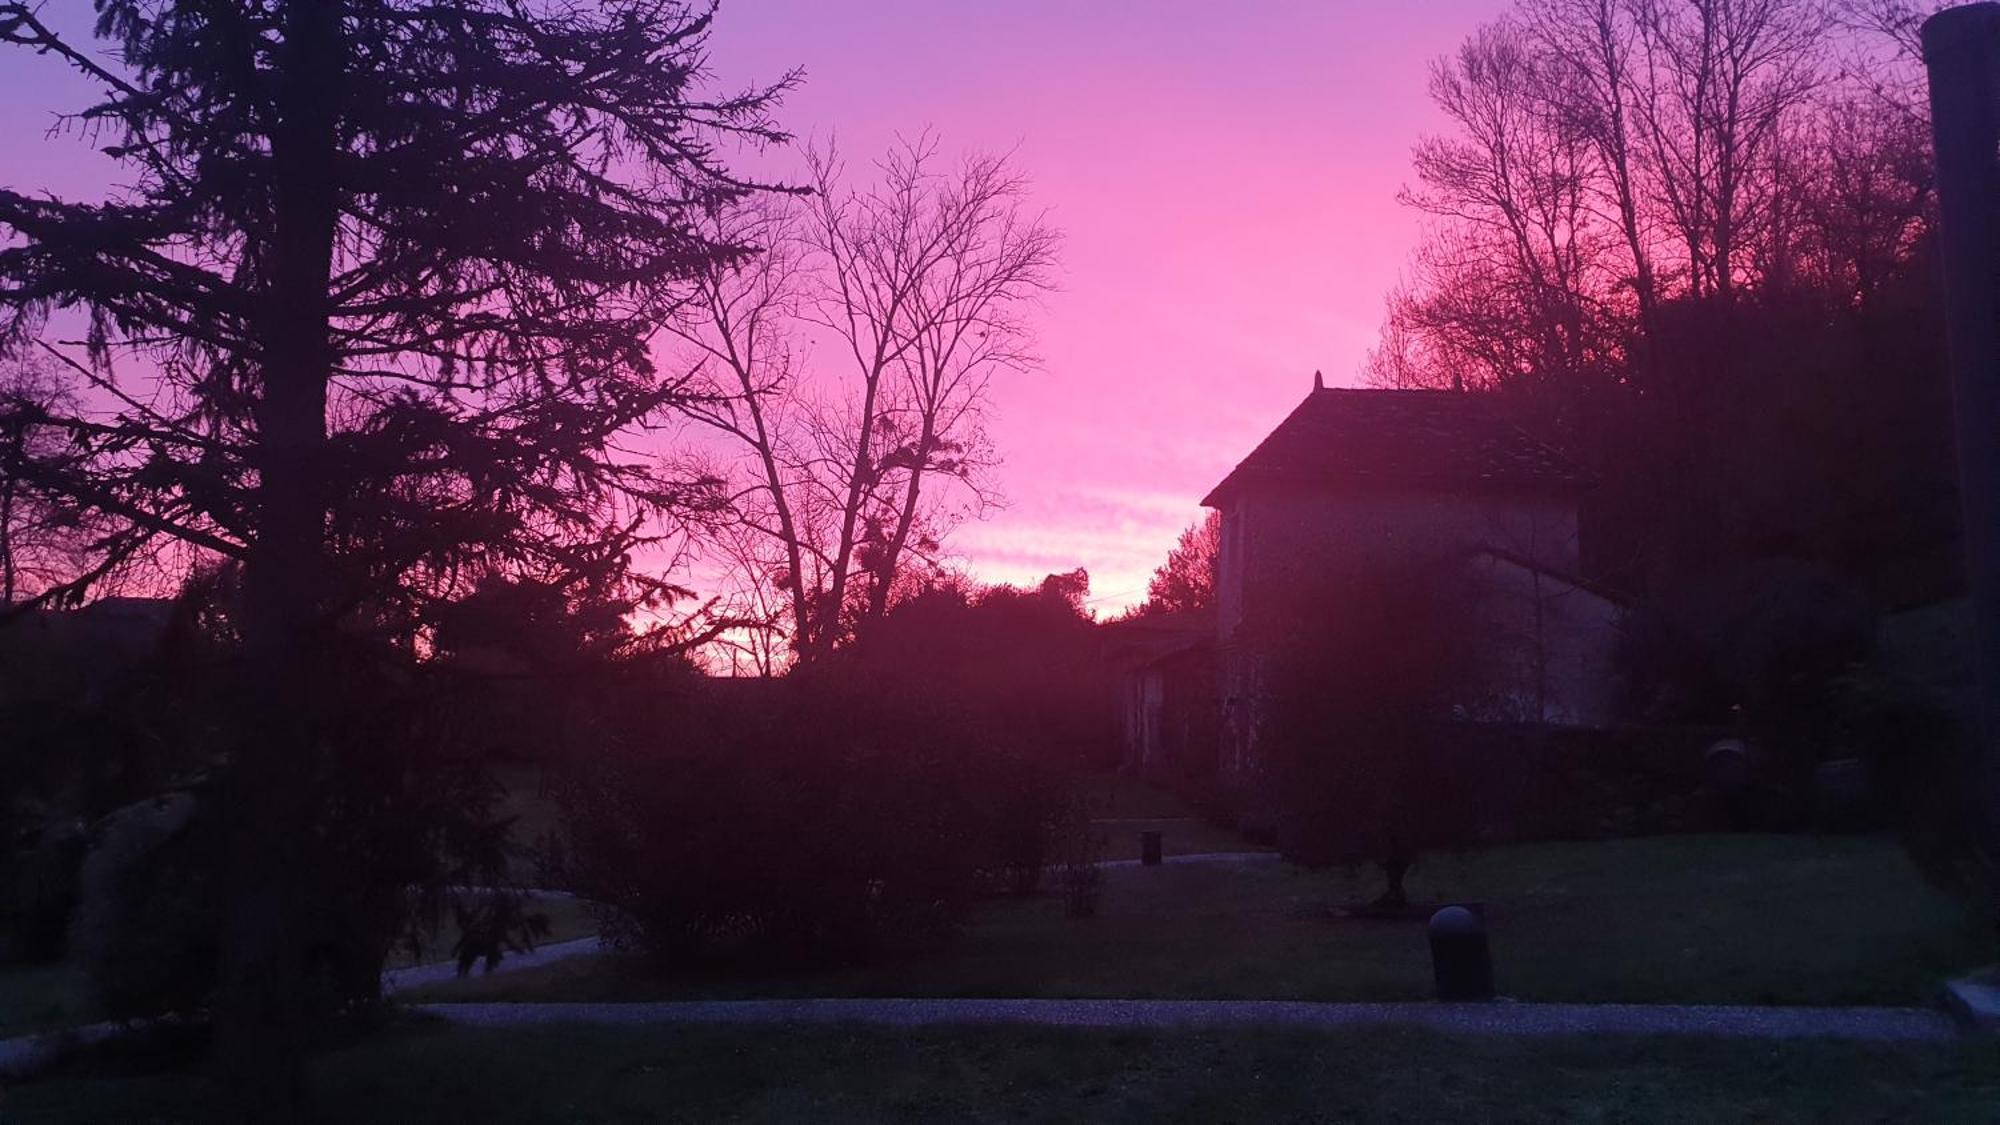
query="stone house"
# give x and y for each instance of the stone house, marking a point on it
(1356, 477)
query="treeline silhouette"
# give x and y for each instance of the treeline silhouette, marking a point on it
(1694, 245)
(855, 807)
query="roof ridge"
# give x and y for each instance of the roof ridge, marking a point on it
(1439, 392)
(1409, 436)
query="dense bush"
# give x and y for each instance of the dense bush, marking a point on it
(146, 926)
(1765, 648)
(99, 708)
(1787, 657)
(38, 888)
(409, 832)
(405, 836)
(1014, 679)
(405, 817)
(1380, 746)
(1024, 666)
(1536, 783)
(1924, 771)
(807, 819)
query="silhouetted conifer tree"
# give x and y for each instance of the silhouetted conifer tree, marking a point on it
(393, 264)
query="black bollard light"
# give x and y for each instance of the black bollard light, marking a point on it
(1149, 849)
(1460, 958)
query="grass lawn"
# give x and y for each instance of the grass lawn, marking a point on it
(1123, 807)
(40, 997)
(569, 919)
(1119, 838)
(45, 997)
(594, 1074)
(1690, 919)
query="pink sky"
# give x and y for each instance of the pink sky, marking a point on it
(1225, 176)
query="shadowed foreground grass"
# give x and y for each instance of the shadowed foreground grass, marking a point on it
(568, 920)
(37, 997)
(1690, 919)
(588, 1074)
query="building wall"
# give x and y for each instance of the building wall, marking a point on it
(1553, 644)
(1556, 659)
(1272, 538)
(1167, 713)
(1142, 694)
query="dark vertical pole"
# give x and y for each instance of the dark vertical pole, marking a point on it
(1962, 53)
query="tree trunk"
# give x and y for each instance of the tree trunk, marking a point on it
(906, 516)
(788, 528)
(826, 623)
(7, 526)
(260, 1021)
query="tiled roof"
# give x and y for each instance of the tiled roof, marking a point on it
(1441, 439)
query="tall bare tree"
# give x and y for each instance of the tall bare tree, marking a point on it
(1603, 157)
(1514, 281)
(914, 286)
(741, 330)
(1743, 169)
(1858, 195)
(1518, 179)
(44, 542)
(1719, 81)
(1587, 46)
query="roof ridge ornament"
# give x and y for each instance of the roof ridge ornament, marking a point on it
(1319, 381)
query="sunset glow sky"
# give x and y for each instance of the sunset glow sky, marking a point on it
(1225, 176)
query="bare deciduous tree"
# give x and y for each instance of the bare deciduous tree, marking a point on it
(916, 285)
(1512, 279)
(1719, 79)
(1606, 157)
(44, 542)
(1587, 45)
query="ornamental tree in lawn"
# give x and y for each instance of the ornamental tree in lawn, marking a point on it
(1373, 670)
